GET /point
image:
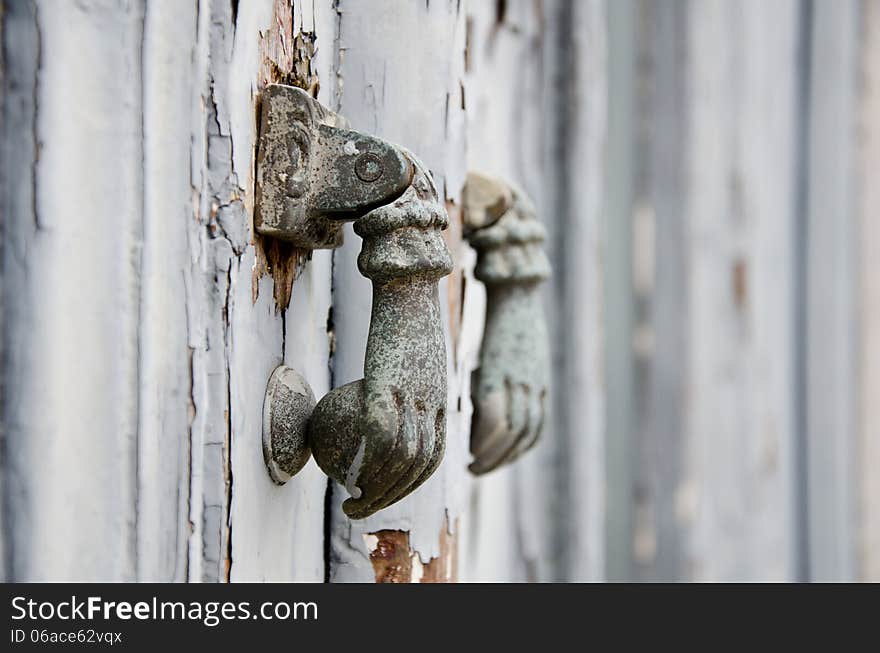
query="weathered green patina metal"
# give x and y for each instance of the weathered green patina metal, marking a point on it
(384, 435)
(287, 407)
(509, 389)
(313, 173)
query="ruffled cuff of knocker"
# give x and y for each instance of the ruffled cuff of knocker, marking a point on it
(511, 249)
(403, 239)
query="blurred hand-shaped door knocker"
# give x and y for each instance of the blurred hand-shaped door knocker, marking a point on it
(384, 435)
(509, 388)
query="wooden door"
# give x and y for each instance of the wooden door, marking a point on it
(143, 316)
(704, 171)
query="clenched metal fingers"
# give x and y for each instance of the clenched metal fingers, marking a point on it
(384, 435)
(509, 389)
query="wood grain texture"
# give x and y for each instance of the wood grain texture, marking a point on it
(139, 354)
(503, 57)
(734, 501)
(165, 365)
(277, 532)
(507, 528)
(20, 62)
(140, 317)
(75, 251)
(714, 274)
(577, 137)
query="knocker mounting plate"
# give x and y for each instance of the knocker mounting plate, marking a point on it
(313, 172)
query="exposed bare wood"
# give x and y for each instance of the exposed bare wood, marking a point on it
(394, 560)
(444, 567)
(391, 557)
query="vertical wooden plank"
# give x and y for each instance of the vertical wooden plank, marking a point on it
(71, 415)
(19, 58)
(400, 71)
(659, 279)
(831, 294)
(576, 134)
(145, 317)
(714, 275)
(618, 290)
(869, 296)
(276, 532)
(217, 238)
(536, 94)
(734, 500)
(164, 413)
(237, 293)
(506, 528)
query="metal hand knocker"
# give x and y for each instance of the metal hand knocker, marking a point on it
(384, 435)
(509, 389)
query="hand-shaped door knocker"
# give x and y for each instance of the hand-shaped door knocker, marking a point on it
(384, 435)
(509, 388)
